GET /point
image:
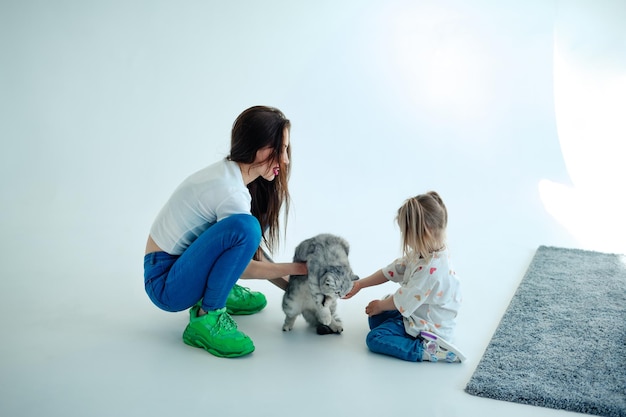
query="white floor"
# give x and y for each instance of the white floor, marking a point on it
(83, 340)
(106, 106)
(72, 348)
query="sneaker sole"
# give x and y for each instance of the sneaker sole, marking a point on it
(243, 312)
(192, 339)
(446, 345)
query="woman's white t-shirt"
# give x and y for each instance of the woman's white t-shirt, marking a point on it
(202, 199)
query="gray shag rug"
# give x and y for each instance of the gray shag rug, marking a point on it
(562, 341)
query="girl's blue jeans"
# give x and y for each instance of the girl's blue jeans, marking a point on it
(388, 337)
(208, 269)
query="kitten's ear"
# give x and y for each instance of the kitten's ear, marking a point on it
(355, 277)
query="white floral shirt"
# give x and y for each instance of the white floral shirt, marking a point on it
(429, 296)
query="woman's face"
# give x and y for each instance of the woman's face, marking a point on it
(271, 167)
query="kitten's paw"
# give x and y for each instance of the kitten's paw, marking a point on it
(288, 323)
(325, 319)
(333, 328)
(336, 327)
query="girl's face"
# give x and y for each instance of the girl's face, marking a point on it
(271, 167)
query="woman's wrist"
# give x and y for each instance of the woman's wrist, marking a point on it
(300, 268)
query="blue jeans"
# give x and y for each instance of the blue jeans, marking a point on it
(208, 269)
(388, 337)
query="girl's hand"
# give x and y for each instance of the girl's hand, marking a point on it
(378, 306)
(356, 287)
(373, 308)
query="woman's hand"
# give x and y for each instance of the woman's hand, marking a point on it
(301, 268)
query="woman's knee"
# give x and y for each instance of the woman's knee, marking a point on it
(246, 225)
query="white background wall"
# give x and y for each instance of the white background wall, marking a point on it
(513, 111)
(105, 106)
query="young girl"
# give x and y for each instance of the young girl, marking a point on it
(417, 322)
(205, 237)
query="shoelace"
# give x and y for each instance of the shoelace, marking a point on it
(226, 322)
(241, 292)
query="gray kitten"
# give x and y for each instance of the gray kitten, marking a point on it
(329, 278)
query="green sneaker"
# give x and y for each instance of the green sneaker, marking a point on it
(216, 332)
(243, 301)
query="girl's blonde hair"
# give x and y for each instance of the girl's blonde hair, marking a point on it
(423, 220)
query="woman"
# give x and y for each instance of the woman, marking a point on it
(209, 232)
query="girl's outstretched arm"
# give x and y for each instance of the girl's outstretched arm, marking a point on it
(376, 278)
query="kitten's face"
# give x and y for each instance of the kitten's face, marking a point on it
(336, 281)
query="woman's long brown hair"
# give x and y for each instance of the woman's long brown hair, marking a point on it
(256, 128)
